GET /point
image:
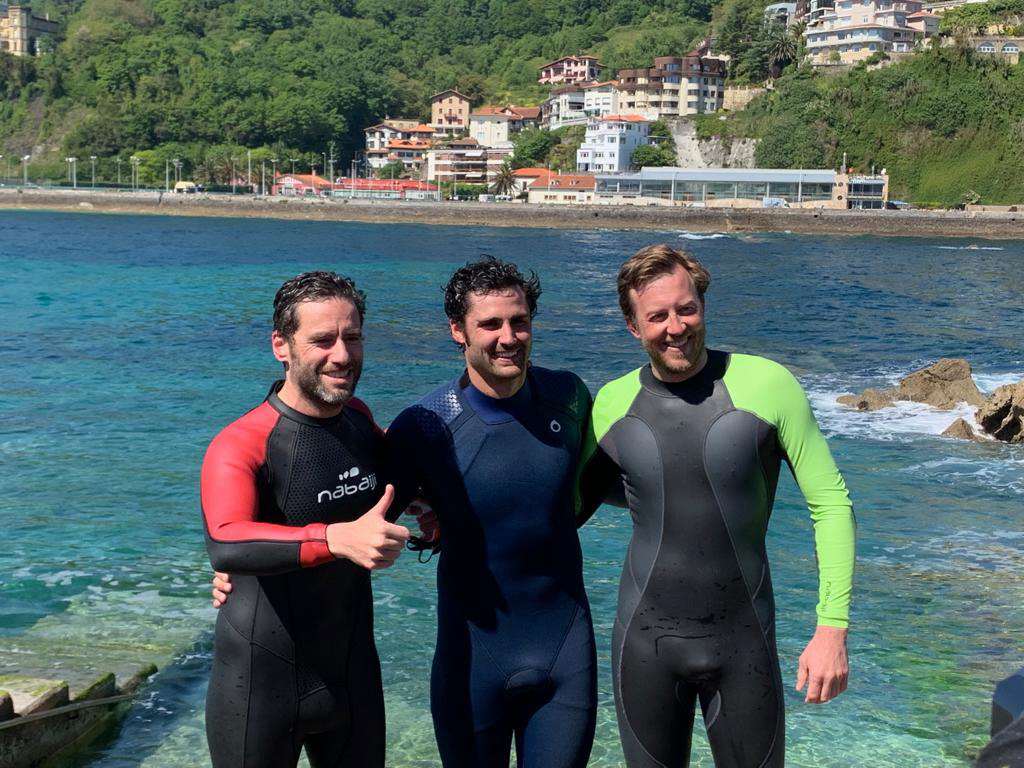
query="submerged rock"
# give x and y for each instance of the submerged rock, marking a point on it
(961, 430)
(1002, 416)
(941, 385)
(869, 399)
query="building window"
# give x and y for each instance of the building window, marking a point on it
(986, 48)
(1010, 48)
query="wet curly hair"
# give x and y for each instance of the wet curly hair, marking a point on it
(487, 275)
(312, 286)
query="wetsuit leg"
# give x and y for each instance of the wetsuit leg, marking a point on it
(745, 713)
(559, 733)
(244, 731)
(655, 712)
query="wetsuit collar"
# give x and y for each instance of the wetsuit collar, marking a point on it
(696, 386)
(493, 410)
(286, 410)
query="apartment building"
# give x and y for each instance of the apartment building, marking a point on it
(449, 113)
(570, 69)
(466, 161)
(674, 86)
(564, 107)
(495, 126)
(20, 30)
(855, 29)
(783, 14)
(600, 99)
(610, 141)
(384, 139)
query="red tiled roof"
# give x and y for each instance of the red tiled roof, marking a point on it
(421, 128)
(489, 112)
(408, 144)
(305, 179)
(530, 173)
(597, 84)
(625, 119)
(570, 58)
(526, 113)
(567, 181)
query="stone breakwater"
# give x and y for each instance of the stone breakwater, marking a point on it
(884, 223)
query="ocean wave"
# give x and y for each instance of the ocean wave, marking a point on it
(989, 382)
(903, 419)
(971, 247)
(1001, 474)
(701, 236)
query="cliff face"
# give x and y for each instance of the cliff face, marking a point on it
(691, 152)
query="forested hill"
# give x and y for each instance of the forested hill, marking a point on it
(189, 75)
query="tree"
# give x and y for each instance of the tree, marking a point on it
(532, 148)
(504, 180)
(652, 155)
(781, 48)
(392, 170)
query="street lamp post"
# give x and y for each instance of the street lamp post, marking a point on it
(8, 164)
(273, 173)
(117, 161)
(135, 172)
(92, 159)
(312, 179)
(72, 171)
(293, 161)
(24, 169)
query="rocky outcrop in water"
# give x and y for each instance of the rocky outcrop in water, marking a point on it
(1002, 416)
(961, 430)
(941, 385)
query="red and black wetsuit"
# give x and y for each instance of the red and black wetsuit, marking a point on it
(294, 657)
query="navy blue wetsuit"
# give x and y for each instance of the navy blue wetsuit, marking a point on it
(515, 643)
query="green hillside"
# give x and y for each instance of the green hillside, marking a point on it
(201, 79)
(947, 124)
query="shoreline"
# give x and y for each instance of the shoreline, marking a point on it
(989, 225)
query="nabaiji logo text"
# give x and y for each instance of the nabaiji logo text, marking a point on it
(345, 488)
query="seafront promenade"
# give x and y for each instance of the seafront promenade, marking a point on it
(916, 223)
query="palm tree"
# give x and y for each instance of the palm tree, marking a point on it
(504, 181)
(782, 48)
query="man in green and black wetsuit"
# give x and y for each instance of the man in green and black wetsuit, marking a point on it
(698, 437)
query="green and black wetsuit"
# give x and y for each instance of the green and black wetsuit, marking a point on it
(699, 462)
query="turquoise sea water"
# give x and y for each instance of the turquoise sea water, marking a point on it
(129, 341)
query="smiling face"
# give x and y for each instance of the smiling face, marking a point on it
(496, 335)
(668, 318)
(324, 356)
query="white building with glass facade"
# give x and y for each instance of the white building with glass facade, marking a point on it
(610, 141)
(743, 188)
(600, 99)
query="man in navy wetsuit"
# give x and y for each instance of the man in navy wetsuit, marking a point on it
(496, 452)
(294, 502)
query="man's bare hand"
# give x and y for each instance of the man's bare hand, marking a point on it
(426, 519)
(371, 541)
(221, 588)
(823, 665)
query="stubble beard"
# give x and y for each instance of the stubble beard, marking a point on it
(307, 380)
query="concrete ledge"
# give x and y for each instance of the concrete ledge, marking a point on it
(806, 221)
(101, 688)
(31, 694)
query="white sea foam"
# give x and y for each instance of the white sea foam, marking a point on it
(989, 382)
(971, 247)
(701, 236)
(903, 419)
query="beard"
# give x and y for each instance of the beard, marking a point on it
(309, 380)
(669, 366)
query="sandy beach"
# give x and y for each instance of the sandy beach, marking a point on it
(516, 214)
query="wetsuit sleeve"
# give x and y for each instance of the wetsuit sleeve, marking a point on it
(600, 479)
(237, 541)
(403, 441)
(773, 393)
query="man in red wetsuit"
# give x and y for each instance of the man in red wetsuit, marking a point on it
(294, 500)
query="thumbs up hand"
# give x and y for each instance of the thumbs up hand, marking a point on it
(371, 541)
